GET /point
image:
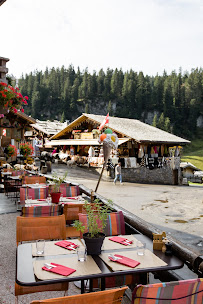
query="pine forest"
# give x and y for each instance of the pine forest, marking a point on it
(171, 102)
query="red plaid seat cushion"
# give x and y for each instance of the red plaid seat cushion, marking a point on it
(115, 223)
(180, 292)
(69, 191)
(38, 193)
(38, 211)
(18, 172)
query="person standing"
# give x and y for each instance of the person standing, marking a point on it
(118, 174)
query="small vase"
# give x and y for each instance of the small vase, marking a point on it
(93, 244)
(55, 196)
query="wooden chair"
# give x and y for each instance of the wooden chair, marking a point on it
(69, 191)
(34, 228)
(34, 180)
(115, 223)
(180, 292)
(71, 212)
(113, 296)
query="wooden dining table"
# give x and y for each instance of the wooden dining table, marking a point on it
(27, 263)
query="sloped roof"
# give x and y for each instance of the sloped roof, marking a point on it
(49, 127)
(132, 128)
(24, 116)
(185, 165)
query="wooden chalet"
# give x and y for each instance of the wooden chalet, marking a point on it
(141, 146)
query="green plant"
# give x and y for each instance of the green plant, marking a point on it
(58, 181)
(97, 218)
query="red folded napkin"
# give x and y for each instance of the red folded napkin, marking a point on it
(125, 261)
(42, 199)
(121, 240)
(66, 245)
(60, 269)
(72, 197)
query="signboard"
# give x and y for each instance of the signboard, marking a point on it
(87, 135)
(28, 133)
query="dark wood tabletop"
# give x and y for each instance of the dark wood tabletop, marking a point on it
(25, 274)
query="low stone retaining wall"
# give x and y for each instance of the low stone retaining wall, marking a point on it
(164, 175)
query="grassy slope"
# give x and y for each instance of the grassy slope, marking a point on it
(193, 153)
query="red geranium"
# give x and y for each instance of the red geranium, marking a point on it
(12, 151)
(10, 98)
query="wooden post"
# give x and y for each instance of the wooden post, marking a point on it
(92, 196)
(100, 177)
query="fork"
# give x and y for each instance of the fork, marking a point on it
(49, 266)
(114, 257)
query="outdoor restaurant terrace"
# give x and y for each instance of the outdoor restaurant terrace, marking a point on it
(122, 261)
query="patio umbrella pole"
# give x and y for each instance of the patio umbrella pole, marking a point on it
(100, 177)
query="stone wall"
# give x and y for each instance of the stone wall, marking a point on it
(163, 175)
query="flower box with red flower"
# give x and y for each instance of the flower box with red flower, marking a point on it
(12, 151)
(11, 99)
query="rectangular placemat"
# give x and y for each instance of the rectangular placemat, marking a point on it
(110, 245)
(82, 268)
(148, 260)
(52, 249)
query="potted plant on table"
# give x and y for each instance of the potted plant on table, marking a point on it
(55, 188)
(97, 214)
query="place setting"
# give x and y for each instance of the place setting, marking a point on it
(81, 263)
(119, 242)
(62, 247)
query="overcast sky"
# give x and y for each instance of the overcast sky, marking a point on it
(145, 35)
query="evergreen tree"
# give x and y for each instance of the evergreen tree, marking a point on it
(62, 117)
(154, 122)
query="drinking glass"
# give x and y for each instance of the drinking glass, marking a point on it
(49, 199)
(29, 200)
(40, 244)
(61, 198)
(141, 248)
(82, 254)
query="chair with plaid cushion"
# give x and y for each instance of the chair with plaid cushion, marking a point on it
(180, 292)
(69, 191)
(41, 211)
(115, 223)
(38, 193)
(71, 212)
(115, 226)
(18, 172)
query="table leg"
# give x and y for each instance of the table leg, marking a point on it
(90, 285)
(103, 284)
(82, 286)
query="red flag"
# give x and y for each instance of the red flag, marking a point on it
(104, 122)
